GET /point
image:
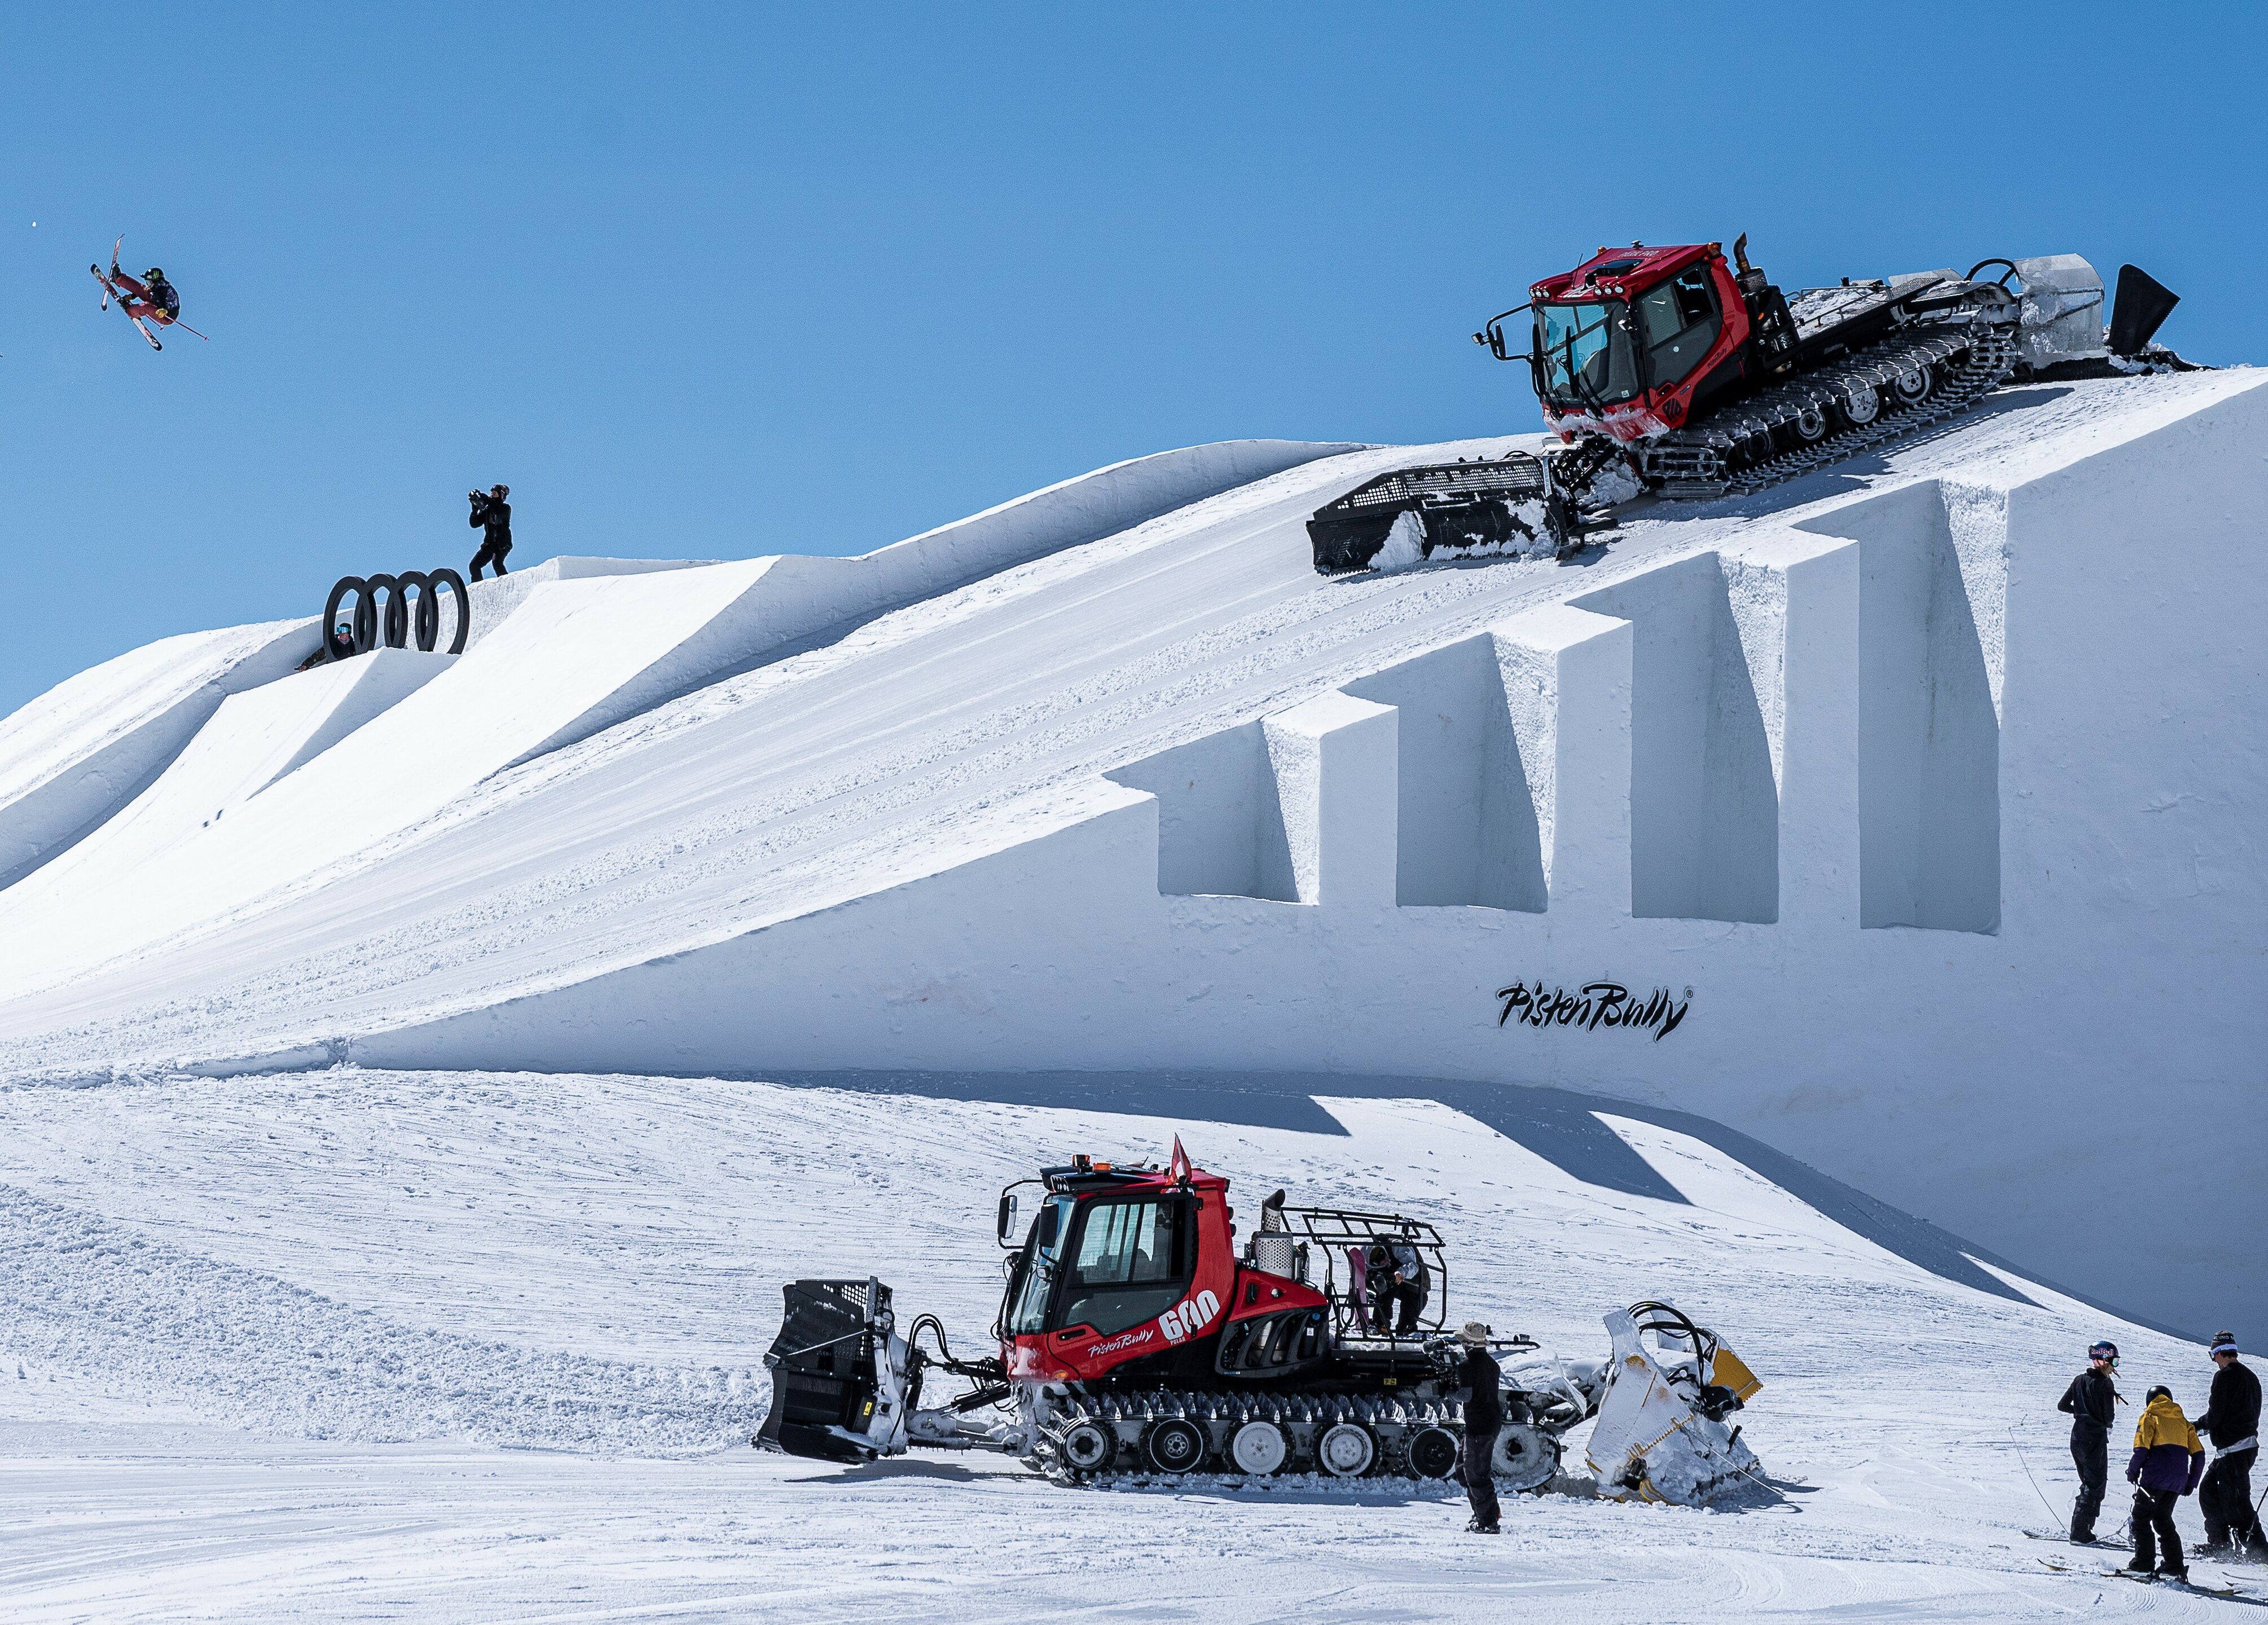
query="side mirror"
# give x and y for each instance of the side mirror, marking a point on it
(1007, 1215)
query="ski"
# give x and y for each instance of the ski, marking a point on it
(2224, 1593)
(110, 290)
(2063, 1539)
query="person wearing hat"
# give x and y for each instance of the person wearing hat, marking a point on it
(1484, 1381)
(2090, 1401)
(2166, 1465)
(2232, 1421)
(491, 516)
(150, 296)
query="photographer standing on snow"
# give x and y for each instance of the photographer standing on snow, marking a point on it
(1466, 1358)
(492, 516)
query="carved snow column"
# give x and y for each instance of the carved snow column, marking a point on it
(1566, 677)
(1333, 759)
(1794, 599)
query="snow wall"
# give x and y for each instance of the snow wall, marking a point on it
(1917, 833)
(554, 653)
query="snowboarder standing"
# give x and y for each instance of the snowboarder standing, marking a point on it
(1484, 1381)
(491, 516)
(2090, 1401)
(2232, 1421)
(2166, 1465)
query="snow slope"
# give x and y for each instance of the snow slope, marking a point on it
(81, 751)
(354, 1345)
(920, 841)
(253, 740)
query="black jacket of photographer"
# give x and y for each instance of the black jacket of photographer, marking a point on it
(492, 516)
(1484, 1379)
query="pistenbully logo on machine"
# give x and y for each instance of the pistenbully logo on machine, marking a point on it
(1128, 1340)
(1189, 1317)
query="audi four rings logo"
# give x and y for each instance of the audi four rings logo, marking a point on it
(402, 618)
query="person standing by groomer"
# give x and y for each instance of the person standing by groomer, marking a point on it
(1483, 1380)
(2090, 1401)
(493, 516)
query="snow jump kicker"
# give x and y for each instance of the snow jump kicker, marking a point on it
(1135, 1339)
(399, 623)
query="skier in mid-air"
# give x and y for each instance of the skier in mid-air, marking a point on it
(149, 296)
(146, 299)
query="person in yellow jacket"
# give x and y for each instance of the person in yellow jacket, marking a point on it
(2166, 1465)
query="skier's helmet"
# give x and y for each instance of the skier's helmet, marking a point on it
(2104, 1350)
(153, 274)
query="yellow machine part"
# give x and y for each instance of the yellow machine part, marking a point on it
(1729, 1370)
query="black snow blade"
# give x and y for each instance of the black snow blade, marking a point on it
(1348, 533)
(823, 1367)
(2141, 307)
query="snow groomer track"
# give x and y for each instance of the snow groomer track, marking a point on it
(1924, 788)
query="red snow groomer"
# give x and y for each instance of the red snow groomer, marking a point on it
(1135, 1337)
(1674, 372)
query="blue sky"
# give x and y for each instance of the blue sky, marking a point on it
(714, 282)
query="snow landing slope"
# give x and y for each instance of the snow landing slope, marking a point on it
(625, 775)
(353, 1345)
(930, 730)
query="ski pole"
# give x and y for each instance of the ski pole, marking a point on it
(2029, 1479)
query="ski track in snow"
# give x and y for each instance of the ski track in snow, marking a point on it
(352, 1345)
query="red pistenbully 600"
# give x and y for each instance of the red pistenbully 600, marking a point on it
(1678, 371)
(1135, 1338)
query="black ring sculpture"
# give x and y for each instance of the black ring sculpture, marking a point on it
(399, 620)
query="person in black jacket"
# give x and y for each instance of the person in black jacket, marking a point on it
(2231, 1425)
(2090, 1401)
(1484, 1379)
(1399, 1285)
(493, 516)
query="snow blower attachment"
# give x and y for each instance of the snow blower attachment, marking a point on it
(1674, 372)
(1660, 1434)
(1135, 1337)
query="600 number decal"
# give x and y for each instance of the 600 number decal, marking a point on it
(1189, 1317)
